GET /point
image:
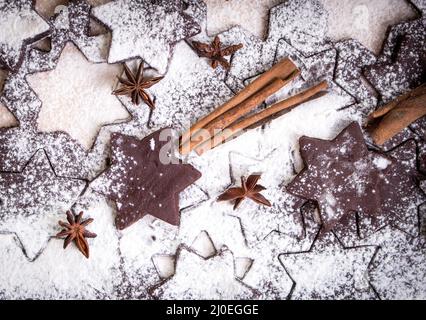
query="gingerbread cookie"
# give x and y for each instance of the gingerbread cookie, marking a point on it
(144, 180)
(353, 179)
(406, 72)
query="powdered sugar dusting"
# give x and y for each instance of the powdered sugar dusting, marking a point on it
(212, 278)
(33, 200)
(329, 270)
(18, 23)
(144, 29)
(94, 278)
(139, 262)
(68, 102)
(366, 21)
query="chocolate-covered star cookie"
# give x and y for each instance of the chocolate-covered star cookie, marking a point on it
(343, 176)
(407, 70)
(145, 29)
(144, 179)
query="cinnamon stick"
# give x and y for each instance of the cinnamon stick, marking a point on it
(282, 70)
(230, 116)
(393, 117)
(236, 128)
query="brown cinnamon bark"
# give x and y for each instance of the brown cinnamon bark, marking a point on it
(392, 118)
(230, 116)
(285, 69)
(269, 112)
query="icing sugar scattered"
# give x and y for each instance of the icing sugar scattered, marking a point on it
(366, 21)
(329, 270)
(75, 277)
(145, 29)
(196, 277)
(381, 162)
(18, 22)
(33, 200)
(123, 260)
(253, 15)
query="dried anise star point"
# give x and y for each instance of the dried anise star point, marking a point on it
(75, 230)
(215, 53)
(135, 85)
(249, 189)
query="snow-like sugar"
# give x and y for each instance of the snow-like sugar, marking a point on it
(365, 20)
(381, 162)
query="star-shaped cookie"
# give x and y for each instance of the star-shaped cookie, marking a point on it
(144, 178)
(17, 145)
(68, 102)
(302, 23)
(31, 202)
(145, 29)
(405, 72)
(71, 23)
(343, 176)
(19, 25)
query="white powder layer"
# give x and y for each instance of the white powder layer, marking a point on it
(400, 264)
(138, 244)
(330, 271)
(144, 29)
(251, 15)
(189, 81)
(197, 277)
(33, 200)
(127, 266)
(18, 25)
(364, 20)
(66, 274)
(76, 96)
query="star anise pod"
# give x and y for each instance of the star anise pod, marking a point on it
(249, 189)
(75, 230)
(215, 53)
(135, 85)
